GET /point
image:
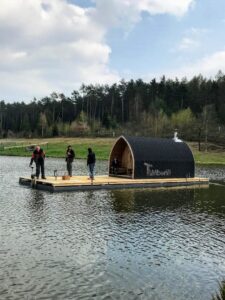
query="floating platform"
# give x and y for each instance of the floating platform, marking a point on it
(82, 183)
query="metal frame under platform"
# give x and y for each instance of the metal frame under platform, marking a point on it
(82, 183)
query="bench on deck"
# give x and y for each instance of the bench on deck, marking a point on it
(121, 171)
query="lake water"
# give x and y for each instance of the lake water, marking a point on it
(121, 244)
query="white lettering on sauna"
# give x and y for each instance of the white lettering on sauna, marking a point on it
(156, 172)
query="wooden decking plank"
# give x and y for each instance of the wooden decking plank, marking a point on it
(82, 180)
(104, 181)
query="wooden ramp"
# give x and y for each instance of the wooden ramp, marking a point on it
(82, 183)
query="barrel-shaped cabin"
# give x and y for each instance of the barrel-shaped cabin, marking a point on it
(142, 157)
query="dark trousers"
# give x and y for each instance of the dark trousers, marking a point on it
(69, 167)
(114, 170)
(40, 166)
(91, 169)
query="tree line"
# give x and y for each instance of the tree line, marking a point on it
(195, 107)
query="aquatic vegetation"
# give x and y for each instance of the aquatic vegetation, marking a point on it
(220, 295)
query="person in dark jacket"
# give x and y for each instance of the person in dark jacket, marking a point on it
(115, 165)
(91, 163)
(70, 155)
(38, 156)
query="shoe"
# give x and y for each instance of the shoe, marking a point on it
(43, 177)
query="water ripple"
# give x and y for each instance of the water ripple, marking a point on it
(128, 244)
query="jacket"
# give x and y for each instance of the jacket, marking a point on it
(91, 158)
(38, 156)
(70, 155)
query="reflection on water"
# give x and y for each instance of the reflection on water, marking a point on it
(148, 200)
(36, 201)
(204, 199)
(119, 244)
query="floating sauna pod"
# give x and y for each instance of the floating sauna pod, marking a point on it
(142, 163)
(141, 157)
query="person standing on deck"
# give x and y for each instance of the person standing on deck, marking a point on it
(91, 163)
(115, 165)
(70, 155)
(38, 156)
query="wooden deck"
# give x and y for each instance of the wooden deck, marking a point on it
(78, 183)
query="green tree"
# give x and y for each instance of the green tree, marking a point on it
(43, 123)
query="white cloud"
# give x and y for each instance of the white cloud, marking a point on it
(23, 85)
(192, 39)
(173, 7)
(49, 45)
(208, 66)
(55, 45)
(128, 12)
(188, 44)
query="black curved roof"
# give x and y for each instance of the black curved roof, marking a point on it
(159, 149)
(157, 157)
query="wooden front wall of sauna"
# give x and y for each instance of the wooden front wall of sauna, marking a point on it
(123, 154)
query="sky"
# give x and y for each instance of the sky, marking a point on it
(56, 45)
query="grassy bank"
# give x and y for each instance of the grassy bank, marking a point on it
(215, 155)
(56, 147)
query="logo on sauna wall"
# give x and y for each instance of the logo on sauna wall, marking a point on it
(156, 172)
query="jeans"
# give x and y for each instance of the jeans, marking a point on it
(40, 165)
(91, 168)
(69, 167)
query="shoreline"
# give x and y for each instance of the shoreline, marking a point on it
(198, 163)
(56, 148)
